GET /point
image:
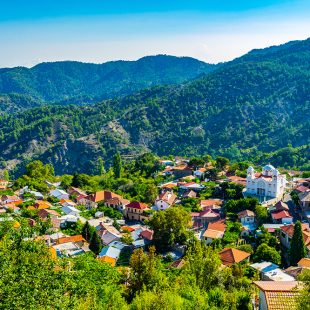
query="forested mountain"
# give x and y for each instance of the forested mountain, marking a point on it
(75, 82)
(252, 105)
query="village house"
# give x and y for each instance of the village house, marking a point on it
(237, 180)
(277, 295)
(165, 201)
(246, 217)
(281, 217)
(91, 201)
(108, 233)
(265, 185)
(214, 231)
(214, 204)
(287, 232)
(203, 218)
(136, 211)
(191, 186)
(44, 214)
(200, 173)
(230, 256)
(74, 191)
(5, 199)
(189, 194)
(59, 194)
(71, 246)
(271, 272)
(70, 210)
(118, 203)
(3, 184)
(67, 203)
(109, 254)
(40, 204)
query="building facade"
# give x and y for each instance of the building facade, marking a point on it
(266, 185)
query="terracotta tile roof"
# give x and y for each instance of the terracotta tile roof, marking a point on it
(169, 185)
(128, 228)
(281, 300)
(289, 230)
(304, 262)
(147, 234)
(42, 205)
(230, 256)
(43, 213)
(245, 213)
(218, 225)
(137, 205)
(76, 238)
(209, 214)
(108, 259)
(213, 234)
(117, 201)
(276, 286)
(210, 203)
(238, 180)
(277, 215)
(102, 196)
(167, 197)
(302, 189)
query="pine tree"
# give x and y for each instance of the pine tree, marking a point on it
(87, 231)
(95, 243)
(298, 249)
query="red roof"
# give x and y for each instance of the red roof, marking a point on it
(137, 205)
(280, 215)
(147, 234)
(230, 256)
(102, 196)
(302, 189)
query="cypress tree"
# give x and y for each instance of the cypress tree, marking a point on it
(117, 165)
(95, 243)
(298, 249)
(87, 231)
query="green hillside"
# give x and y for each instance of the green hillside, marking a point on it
(67, 81)
(253, 105)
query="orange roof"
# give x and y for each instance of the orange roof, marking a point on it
(230, 256)
(304, 262)
(31, 208)
(275, 286)
(167, 197)
(169, 185)
(102, 196)
(128, 228)
(213, 234)
(210, 203)
(218, 225)
(108, 259)
(76, 238)
(42, 205)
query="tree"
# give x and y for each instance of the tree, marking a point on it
(261, 214)
(127, 238)
(298, 249)
(221, 162)
(95, 243)
(6, 175)
(170, 227)
(266, 253)
(117, 165)
(87, 231)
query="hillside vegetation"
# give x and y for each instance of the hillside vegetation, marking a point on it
(254, 105)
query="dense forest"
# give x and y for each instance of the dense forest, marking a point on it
(69, 81)
(255, 107)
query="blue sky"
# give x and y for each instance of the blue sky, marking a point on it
(100, 30)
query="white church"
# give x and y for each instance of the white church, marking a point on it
(268, 184)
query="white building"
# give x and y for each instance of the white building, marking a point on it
(267, 185)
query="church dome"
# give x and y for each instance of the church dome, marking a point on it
(269, 168)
